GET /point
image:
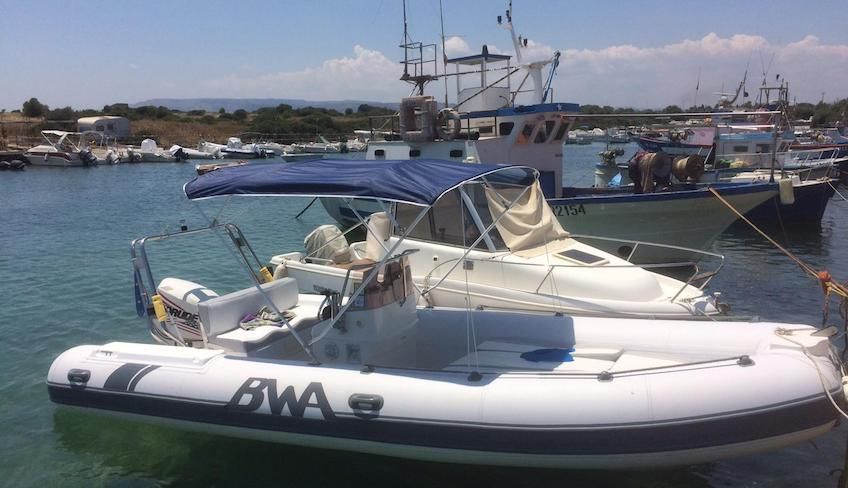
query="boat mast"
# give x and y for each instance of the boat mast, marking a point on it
(418, 77)
(444, 53)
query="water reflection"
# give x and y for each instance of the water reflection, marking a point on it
(176, 458)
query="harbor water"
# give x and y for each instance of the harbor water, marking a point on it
(65, 279)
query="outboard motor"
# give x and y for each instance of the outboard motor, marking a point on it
(87, 158)
(180, 155)
(180, 299)
(133, 156)
(112, 157)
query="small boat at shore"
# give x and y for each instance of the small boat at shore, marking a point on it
(206, 168)
(373, 372)
(149, 152)
(68, 149)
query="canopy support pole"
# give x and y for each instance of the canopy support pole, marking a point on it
(258, 286)
(371, 277)
(477, 241)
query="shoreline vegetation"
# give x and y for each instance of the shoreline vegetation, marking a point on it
(286, 124)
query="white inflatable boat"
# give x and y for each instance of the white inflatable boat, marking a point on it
(375, 373)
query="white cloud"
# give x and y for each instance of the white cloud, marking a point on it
(368, 75)
(621, 75)
(628, 75)
(535, 51)
(456, 46)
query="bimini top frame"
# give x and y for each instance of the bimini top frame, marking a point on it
(419, 182)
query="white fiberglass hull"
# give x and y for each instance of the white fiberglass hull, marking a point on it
(38, 157)
(643, 395)
(610, 287)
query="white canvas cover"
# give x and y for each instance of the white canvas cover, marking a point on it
(149, 146)
(530, 223)
(324, 242)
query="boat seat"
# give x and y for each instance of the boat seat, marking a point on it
(222, 314)
(247, 341)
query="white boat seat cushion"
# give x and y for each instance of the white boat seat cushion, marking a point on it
(246, 341)
(222, 314)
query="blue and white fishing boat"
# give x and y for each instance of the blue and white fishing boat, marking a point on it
(486, 124)
(372, 372)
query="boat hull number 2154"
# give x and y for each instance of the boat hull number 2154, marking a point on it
(568, 210)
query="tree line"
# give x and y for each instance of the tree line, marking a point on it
(284, 119)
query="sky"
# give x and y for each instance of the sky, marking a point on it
(646, 54)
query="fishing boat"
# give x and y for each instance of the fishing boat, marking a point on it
(523, 260)
(67, 149)
(483, 127)
(375, 373)
(804, 206)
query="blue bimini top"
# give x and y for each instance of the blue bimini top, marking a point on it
(417, 182)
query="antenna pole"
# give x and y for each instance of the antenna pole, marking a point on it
(444, 54)
(697, 87)
(405, 38)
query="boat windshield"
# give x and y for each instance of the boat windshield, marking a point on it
(449, 220)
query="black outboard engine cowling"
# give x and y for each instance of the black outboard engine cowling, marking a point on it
(87, 158)
(180, 155)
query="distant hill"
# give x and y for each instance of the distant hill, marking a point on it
(252, 104)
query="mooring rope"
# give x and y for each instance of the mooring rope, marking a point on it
(829, 285)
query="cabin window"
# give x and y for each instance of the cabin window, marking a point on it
(545, 129)
(449, 221)
(380, 153)
(505, 128)
(98, 128)
(561, 131)
(524, 136)
(740, 149)
(486, 129)
(763, 148)
(414, 153)
(456, 153)
(110, 127)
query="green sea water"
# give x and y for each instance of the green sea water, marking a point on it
(65, 279)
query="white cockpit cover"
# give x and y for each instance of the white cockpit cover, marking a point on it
(530, 223)
(324, 242)
(148, 146)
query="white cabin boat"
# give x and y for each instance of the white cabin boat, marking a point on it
(497, 246)
(374, 373)
(67, 149)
